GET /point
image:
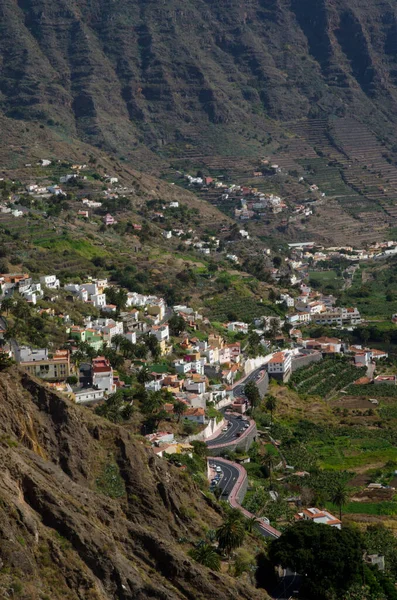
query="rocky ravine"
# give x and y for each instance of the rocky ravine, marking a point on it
(60, 537)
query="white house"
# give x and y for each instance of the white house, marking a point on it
(196, 387)
(102, 375)
(87, 395)
(56, 190)
(238, 327)
(182, 367)
(67, 178)
(279, 366)
(197, 415)
(27, 354)
(161, 332)
(98, 300)
(318, 516)
(108, 327)
(50, 281)
(130, 336)
(289, 301)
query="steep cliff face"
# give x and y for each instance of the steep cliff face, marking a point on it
(124, 73)
(88, 512)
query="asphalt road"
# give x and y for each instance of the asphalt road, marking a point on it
(254, 376)
(290, 583)
(237, 425)
(229, 477)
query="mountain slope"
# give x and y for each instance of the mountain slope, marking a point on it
(62, 536)
(130, 72)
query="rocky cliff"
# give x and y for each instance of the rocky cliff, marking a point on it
(137, 72)
(88, 512)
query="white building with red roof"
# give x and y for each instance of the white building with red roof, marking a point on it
(280, 366)
(318, 516)
(102, 375)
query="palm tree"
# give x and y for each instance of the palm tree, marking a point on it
(249, 523)
(271, 403)
(77, 358)
(144, 375)
(179, 409)
(339, 496)
(127, 348)
(269, 460)
(230, 534)
(206, 555)
(117, 341)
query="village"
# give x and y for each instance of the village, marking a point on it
(175, 347)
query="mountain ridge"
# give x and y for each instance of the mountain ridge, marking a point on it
(152, 74)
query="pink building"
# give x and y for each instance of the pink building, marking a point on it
(109, 220)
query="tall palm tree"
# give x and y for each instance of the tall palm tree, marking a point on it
(271, 403)
(339, 496)
(179, 409)
(206, 555)
(117, 341)
(269, 460)
(230, 534)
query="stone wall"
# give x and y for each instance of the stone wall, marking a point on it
(263, 384)
(303, 360)
(211, 430)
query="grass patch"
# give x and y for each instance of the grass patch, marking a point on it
(110, 481)
(80, 247)
(366, 508)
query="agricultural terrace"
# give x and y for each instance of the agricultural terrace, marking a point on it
(381, 390)
(373, 290)
(326, 377)
(244, 308)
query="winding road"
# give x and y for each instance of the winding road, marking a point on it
(235, 430)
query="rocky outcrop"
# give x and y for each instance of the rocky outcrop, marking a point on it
(88, 512)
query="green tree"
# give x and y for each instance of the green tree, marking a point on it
(7, 305)
(231, 533)
(206, 555)
(127, 348)
(5, 361)
(252, 394)
(144, 375)
(339, 496)
(250, 523)
(271, 403)
(176, 325)
(200, 449)
(179, 409)
(379, 539)
(269, 460)
(117, 296)
(331, 559)
(117, 341)
(153, 346)
(117, 408)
